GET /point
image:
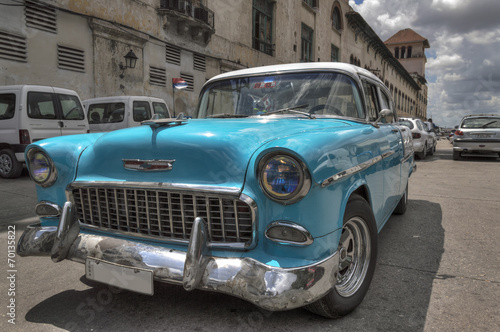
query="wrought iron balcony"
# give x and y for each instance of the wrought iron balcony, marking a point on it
(188, 16)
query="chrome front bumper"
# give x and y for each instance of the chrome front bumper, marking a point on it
(266, 286)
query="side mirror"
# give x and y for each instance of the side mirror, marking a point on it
(386, 114)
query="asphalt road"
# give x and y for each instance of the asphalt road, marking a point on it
(438, 270)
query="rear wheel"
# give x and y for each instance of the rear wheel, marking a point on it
(423, 154)
(357, 252)
(9, 166)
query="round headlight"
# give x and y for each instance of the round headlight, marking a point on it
(41, 168)
(283, 178)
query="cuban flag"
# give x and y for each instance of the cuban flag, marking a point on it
(179, 83)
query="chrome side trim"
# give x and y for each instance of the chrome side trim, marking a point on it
(235, 191)
(351, 171)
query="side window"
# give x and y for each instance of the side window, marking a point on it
(161, 110)
(385, 102)
(106, 112)
(141, 111)
(7, 106)
(71, 108)
(41, 105)
(96, 113)
(371, 100)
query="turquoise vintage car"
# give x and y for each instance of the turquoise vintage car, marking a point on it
(274, 192)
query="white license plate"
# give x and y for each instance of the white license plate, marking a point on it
(121, 276)
(482, 135)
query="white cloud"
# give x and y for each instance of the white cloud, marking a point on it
(465, 42)
(452, 77)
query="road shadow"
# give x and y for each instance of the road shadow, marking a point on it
(410, 250)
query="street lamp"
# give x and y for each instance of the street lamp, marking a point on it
(130, 60)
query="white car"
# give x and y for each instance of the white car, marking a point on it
(423, 142)
(29, 113)
(477, 134)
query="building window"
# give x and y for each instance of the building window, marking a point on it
(262, 26)
(70, 58)
(157, 76)
(337, 17)
(199, 62)
(396, 52)
(403, 51)
(351, 59)
(173, 54)
(307, 44)
(13, 47)
(311, 3)
(335, 54)
(40, 16)
(189, 78)
(409, 52)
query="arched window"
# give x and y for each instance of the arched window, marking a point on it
(351, 60)
(396, 52)
(409, 52)
(359, 63)
(337, 16)
(403, 50)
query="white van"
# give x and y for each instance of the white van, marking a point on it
(111, 113)
(29, 113)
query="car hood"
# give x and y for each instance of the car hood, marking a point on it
(212, 152)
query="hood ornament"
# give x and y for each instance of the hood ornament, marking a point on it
(156, 121)
(148, 165)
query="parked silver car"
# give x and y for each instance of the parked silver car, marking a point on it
(477, 134)
(423, 142)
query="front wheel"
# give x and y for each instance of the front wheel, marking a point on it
(9, 166)
(357, 252)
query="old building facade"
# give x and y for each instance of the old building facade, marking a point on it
(81, 44)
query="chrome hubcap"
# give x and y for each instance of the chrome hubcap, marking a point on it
(354, 256)
(5, 164)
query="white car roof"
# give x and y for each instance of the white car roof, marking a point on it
(120, 98)
(314, 66)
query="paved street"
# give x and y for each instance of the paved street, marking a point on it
(438, 270)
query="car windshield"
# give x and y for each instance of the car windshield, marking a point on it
(319, 93)
(486, 122)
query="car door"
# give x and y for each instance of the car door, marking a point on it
(391, 151)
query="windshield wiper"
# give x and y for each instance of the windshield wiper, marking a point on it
(487, 124)
(227, 115)
(292, 110)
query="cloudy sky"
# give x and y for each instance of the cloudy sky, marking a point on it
(463, 62)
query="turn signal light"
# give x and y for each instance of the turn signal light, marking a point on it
(459, 133)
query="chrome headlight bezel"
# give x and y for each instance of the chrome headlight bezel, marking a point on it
(47, 176)
(304, 181)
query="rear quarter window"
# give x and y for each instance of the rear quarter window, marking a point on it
(7, 106)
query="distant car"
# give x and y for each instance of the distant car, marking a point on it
(423, 142)
(275, 193)
(111, 113)
(477, 134)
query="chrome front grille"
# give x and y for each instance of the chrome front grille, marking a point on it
(164, 214)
